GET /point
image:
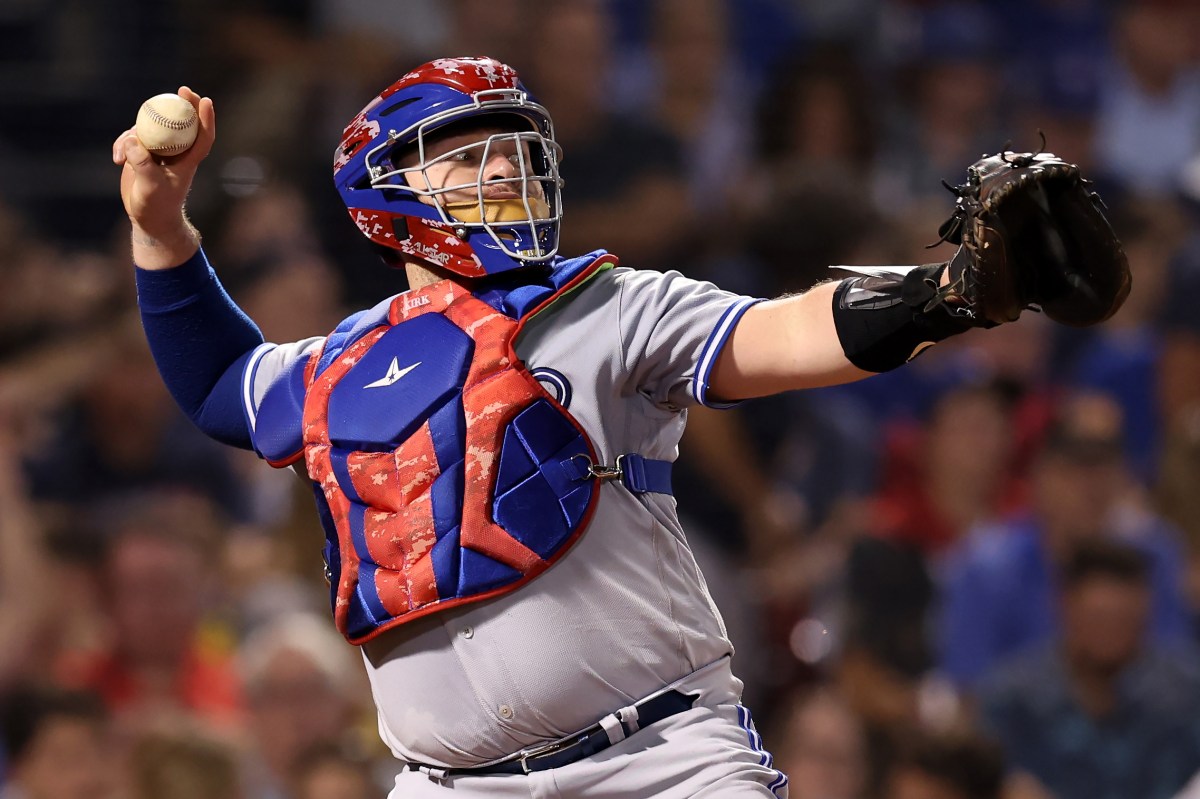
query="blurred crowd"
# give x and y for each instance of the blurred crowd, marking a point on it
(972, 578)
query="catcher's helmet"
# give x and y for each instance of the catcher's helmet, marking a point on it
(388, 140)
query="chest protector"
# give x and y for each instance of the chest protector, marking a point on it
(444, 472)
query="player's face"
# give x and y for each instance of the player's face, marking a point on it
(495, 161)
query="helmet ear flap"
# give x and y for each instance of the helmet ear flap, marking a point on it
(389, 255)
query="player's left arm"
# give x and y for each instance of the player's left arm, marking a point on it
(836, 332)
(685, 341)
(784, 344)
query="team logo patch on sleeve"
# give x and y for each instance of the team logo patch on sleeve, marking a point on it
(555, 382)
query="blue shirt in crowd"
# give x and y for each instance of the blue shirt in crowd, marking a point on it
(999, 596)
(1148, 747)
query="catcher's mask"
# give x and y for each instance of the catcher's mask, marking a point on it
(504, 216)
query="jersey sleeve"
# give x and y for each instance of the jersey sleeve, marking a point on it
(273, 383)
(672, 330)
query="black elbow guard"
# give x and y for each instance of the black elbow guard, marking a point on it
(886, 318)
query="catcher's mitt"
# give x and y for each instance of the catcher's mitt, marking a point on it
(1032, 234)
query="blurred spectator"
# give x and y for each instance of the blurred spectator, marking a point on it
(57, 745)
(625, 174)
(851, 20)
(1148, 123)
(958, 765)
(1055, 72)
(942, 479)
(1101, 712)
(329, 772)
(703, 99)
(268, 63)
(954, 472)
(122, 432)
(945, 110)
(27, 599)
(1178, 379)
(818, 113)
(822, 747)
(764, 251)
(1121, 357)
(51, 293)
(1177, 386)
(303, 690)
(499, 28)
(1175, 493)
(887, 655)
(763, 484)
(779, 467)
(277, 267)
(183, 764)
(999, 588)
(157, 581)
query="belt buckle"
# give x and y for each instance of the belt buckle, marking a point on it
(538, 751)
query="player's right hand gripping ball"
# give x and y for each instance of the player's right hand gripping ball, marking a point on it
(167, 124)
(1032, 234)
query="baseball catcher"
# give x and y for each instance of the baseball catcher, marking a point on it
(490, 447)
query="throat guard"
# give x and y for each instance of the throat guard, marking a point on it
(445, 473)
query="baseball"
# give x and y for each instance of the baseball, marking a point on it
(167, 124)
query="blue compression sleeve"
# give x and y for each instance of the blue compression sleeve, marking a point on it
(200, 340)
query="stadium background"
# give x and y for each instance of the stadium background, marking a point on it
(163, 597)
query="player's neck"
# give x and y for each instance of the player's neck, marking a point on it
(421, 274)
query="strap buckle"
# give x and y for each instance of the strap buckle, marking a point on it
(601, 471)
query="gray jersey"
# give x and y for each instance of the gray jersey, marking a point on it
(626, 611)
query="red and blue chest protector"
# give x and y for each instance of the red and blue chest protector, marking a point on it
(444, 472)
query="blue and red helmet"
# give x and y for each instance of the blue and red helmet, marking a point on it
(380, 170)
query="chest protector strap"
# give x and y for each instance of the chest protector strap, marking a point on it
(446, 473)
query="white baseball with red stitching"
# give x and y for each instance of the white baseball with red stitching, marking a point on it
(167, 124)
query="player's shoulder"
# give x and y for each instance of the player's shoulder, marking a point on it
(622, 288)
(628, 296)
(608, 284)
(639, 276)
(638, 285)
(671, 289)
(608, 297)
